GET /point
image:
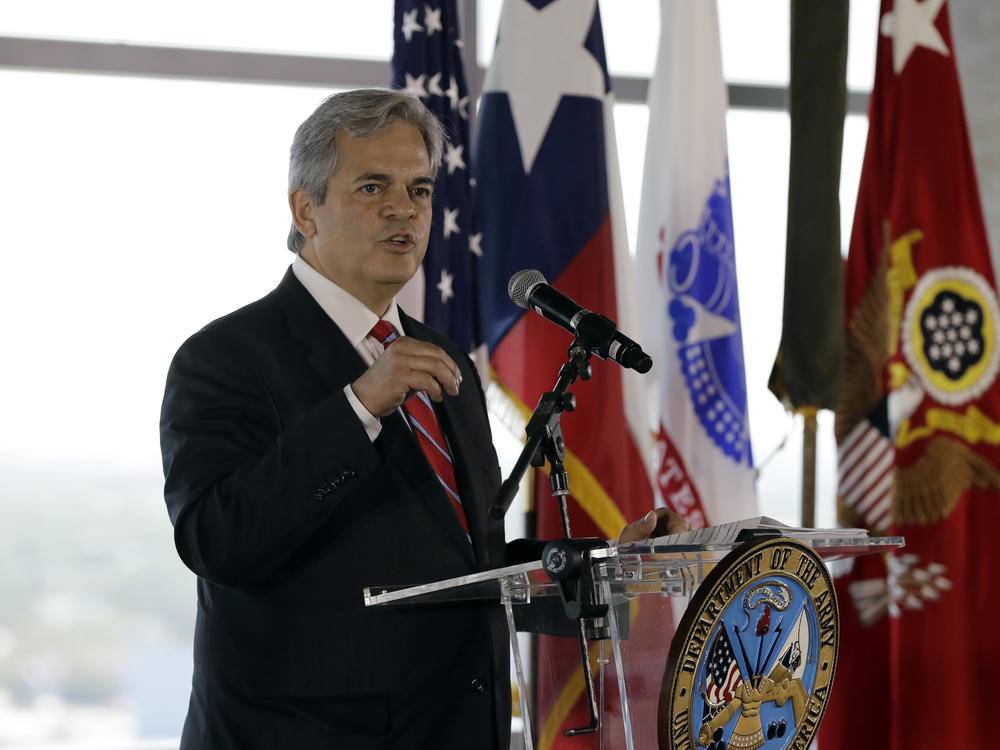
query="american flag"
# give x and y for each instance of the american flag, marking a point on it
(724, 677)
(427, 62)
(866, 470)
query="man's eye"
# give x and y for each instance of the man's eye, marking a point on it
(421, 192)
(369, 189)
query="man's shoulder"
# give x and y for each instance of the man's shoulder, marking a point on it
(252, 325)
(248, 321)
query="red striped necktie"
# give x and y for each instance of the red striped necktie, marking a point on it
(425, 426)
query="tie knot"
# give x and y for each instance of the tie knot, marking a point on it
(383, 332)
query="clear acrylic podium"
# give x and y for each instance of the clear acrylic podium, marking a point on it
(646, 587)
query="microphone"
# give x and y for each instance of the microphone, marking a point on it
(528, 289)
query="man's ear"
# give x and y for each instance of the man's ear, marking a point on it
(301, 204)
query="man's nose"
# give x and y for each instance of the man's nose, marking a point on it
(399, 203)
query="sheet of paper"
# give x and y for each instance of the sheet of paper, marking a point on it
(726, 533)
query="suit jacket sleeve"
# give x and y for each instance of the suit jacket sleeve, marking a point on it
(244, 488)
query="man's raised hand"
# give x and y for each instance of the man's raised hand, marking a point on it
(408, 366)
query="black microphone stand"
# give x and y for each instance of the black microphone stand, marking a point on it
(545, 439)
(563, 560)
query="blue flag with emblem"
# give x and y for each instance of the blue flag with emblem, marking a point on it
(427, 62)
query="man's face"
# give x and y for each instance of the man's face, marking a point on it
(371, 232)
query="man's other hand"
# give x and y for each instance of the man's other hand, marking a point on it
(408, 366)
(658, 522)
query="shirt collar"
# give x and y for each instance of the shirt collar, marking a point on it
(350, 314)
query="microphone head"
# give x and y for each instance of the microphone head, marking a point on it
(521, 283)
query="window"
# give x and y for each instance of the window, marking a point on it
(334, 27)
(128, 202)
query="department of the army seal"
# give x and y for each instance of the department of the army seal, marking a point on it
(753, 660)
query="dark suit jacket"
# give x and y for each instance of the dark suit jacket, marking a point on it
(286, 510)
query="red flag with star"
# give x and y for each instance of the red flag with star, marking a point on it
(918, 424)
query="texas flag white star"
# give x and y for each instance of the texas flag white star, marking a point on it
(451, 222)
(540, 58)
(410, 24)
(444, 286)
(911, 25)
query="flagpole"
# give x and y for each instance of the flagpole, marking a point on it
(808, 465)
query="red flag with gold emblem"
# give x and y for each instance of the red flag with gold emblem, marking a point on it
(918, 425)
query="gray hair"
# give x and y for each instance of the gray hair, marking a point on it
(360, 114)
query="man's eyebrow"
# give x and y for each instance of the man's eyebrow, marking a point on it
(372, 177)
(380, 177)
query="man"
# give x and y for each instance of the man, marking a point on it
(298, 472)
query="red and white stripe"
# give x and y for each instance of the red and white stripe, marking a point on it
(718, 696)
(866, 471)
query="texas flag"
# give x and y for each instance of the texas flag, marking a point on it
(687, 278)
(550, 199)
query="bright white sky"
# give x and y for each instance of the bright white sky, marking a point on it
(135, 210)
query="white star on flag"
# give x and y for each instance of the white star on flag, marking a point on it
(444, 286)
(549, 40)
(453, 157)
(450, 306)
(432, 19)
(434, 85)
(415, 86)
(450, 222)
(410, 24)
(475, 244)
(911, 25)
(452, 92)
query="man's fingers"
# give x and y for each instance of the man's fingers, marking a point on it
(640, 529)
(407, 366)
(418, 380)
(419, 355)
(438, 370)
(658, 522)
(668, 522)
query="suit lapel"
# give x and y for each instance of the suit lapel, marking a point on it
(330, 353)
(467, 468)
(402, 449)
(333, 357)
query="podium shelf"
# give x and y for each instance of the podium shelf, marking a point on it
(658, 566)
